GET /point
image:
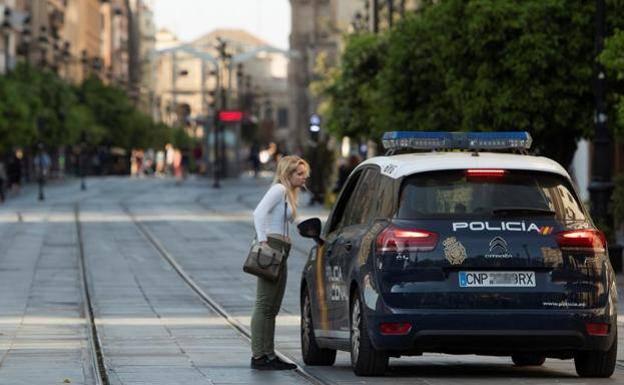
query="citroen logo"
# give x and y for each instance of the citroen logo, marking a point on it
(498, 248)
(498, 245)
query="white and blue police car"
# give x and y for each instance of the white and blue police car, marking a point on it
(463, 245)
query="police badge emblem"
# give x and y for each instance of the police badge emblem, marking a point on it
(454, 251)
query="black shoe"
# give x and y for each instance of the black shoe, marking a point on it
(262, 363)
(277, 364)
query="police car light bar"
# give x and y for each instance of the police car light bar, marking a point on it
(429, 140)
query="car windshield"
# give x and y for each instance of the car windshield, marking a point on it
(515, 193)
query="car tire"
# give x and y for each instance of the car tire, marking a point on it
(312, 354)
(528, 359)
(596, 363)
(365, 359)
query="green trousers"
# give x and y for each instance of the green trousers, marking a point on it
(269, 297)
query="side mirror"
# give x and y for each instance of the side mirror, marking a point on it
(311, 228)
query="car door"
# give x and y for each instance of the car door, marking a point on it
(357, 218)
(333, 288)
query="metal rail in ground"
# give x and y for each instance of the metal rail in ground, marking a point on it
(209, 301)
(95, 345)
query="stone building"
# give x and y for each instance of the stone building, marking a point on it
(318, 28)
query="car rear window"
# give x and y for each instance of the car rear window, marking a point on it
(455, 193)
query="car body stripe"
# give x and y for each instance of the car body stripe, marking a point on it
(320, 288)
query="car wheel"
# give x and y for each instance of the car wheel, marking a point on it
(596, 363)
(527, 359)
(365, 359)
(312, 354)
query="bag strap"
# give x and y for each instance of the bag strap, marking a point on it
(285, 217)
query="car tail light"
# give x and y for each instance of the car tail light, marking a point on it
(485, 173)
(395, 328)
(395, 239)
(597, 328)
(584, 239)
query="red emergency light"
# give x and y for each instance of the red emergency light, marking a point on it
(230, 116)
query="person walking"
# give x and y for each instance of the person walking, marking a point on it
(269, 218)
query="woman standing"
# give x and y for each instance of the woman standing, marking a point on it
(277, 205)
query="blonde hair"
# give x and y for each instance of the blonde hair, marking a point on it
(286, 166)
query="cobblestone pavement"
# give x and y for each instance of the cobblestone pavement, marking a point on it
(153, 327)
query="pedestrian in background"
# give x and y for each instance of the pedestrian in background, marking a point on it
(254, 158)
(3, 180)
(15, 171)
(269, 218)
(344, 171)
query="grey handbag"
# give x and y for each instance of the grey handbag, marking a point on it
(266, 261)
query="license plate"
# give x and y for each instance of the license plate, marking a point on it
(497, 279)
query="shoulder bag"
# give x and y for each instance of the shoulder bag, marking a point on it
(266, 261)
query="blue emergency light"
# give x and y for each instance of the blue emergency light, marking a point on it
(438, 140)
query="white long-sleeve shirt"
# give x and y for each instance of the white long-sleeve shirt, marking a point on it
(269, 214)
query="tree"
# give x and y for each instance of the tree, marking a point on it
(350, 91)
(477, 65)
(17, 121)
(612, 58)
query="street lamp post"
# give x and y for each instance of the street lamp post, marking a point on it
(375, 12)
(66, 56)
(219, 160)
(25, 43)
(43, 45)
(6, 33)
(40, 171)
(84, 60)
(601, 184)
(81, 161)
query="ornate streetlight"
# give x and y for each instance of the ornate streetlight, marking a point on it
(43, 45)
(66, 57)
(25, 40)
(81, 160)
(6, 33)
(84, 60)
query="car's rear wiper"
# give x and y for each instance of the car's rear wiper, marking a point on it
(522, 211)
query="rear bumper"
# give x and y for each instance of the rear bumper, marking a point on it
(555, 334)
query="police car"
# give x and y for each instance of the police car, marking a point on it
(465, 245)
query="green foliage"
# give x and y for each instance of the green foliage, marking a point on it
(476, 65)
(38, 106)
(612, 58)
(17, 122)
(351, 91)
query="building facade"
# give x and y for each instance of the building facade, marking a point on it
(114, 37)
(254, 78)
(318, 28)
(77, 38)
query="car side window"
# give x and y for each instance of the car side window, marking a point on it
(362, 203)
(365, 205)
(339, 209)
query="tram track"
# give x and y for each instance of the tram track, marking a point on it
(95, 345)
(210, 302)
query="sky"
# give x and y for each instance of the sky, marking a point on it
(189, 19)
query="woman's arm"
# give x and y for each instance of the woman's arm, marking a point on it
(271, 199)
